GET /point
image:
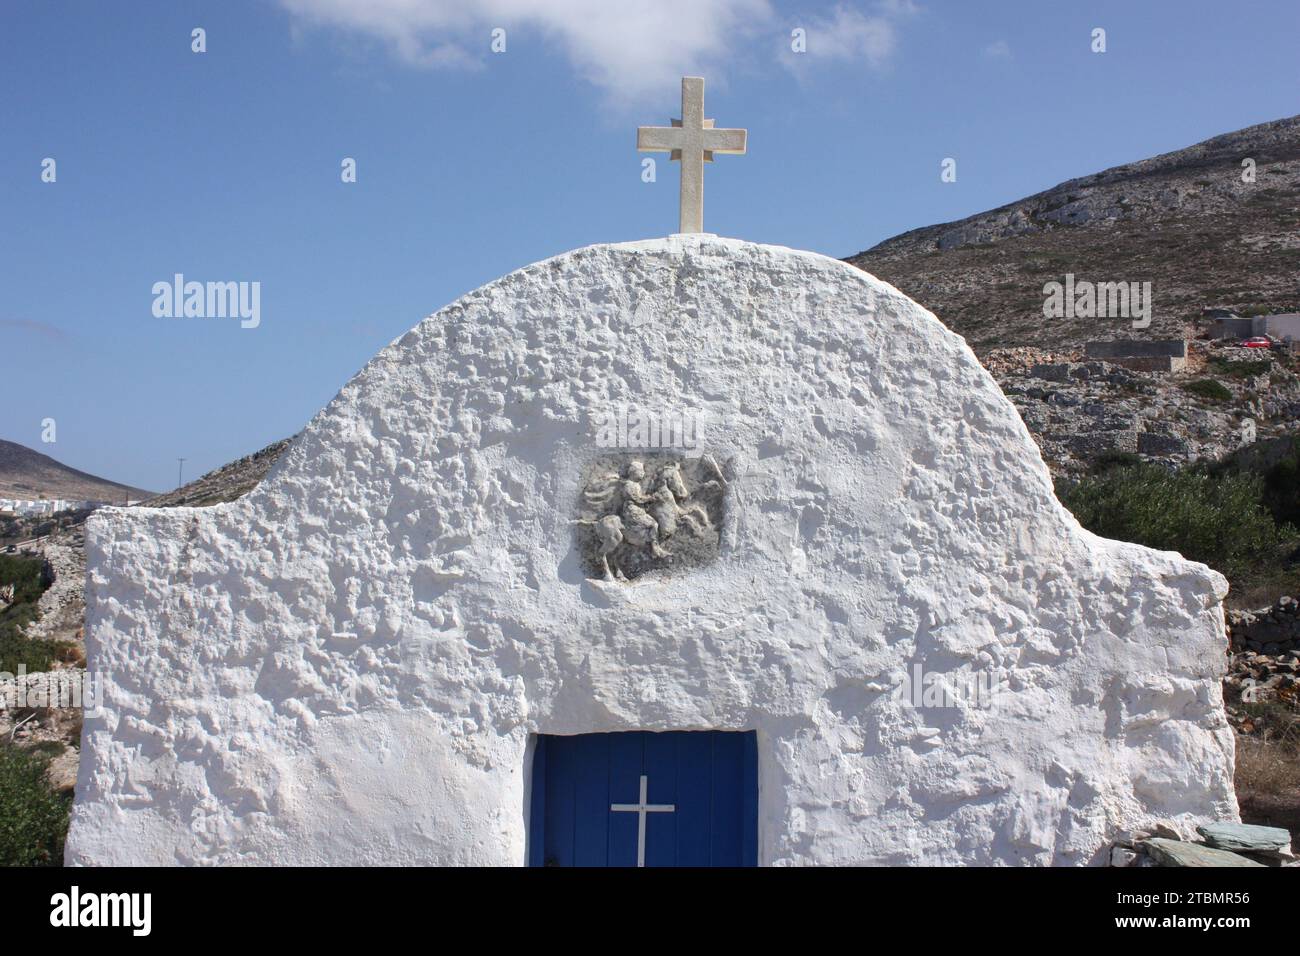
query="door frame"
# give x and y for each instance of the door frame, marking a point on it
(535, 790)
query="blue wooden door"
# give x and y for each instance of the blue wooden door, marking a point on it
(683, 798)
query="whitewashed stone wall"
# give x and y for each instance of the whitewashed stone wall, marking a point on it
(889, 508)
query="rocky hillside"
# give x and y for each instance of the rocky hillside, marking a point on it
(1225, 399)
(225, 483)
(29, 474)
(1184, 221)
(1187, 223)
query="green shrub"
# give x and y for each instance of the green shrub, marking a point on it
(33, 818)
(1209, 388)
(1114, 458)
(1280, 472)
(33, 654)
(1246, 368)
(26, 575)
(1220, 520)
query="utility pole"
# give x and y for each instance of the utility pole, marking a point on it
(180, 465)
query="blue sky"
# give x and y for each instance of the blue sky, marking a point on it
(225, 165)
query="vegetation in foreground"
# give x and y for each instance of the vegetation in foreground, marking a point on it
(1227, 519)
(28, 578)
(33, 818)
(1210, 389)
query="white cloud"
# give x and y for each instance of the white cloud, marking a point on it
(998, 50)
(847, 34)
(632, 50)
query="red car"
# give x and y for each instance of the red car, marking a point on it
(1257, 342)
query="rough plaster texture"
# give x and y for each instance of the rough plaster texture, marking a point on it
(888, 508)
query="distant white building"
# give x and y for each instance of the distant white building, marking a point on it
(43, 506)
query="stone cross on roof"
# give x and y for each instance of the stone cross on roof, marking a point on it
(692, 140)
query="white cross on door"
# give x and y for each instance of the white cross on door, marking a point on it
(641, 809)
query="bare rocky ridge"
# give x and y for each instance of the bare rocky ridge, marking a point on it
(25, 473)
(225, 483)
(1184, 221)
